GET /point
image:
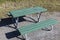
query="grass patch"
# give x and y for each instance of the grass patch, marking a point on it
(8, 5)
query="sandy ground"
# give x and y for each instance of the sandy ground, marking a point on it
(36, 35)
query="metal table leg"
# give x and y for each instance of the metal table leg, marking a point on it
(39, 14)
(16, 24)
(52, 28)
(26, 37)
(48, 29)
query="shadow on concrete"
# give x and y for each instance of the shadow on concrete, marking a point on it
(7, 21)
(13, 34)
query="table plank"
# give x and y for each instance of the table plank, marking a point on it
(26, 11)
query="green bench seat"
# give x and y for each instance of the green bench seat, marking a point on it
(35, 26)
(25, 11)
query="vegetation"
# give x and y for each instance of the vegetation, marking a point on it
(8, 5)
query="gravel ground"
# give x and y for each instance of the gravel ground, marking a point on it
(36, 35)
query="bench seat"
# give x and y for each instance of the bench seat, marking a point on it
(35, 26)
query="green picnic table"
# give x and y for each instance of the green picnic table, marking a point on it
(24, 30)
(26, 11)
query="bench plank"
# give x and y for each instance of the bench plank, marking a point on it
(35, 26)
(17, 13)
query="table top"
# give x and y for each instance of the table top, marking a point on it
(26, 11)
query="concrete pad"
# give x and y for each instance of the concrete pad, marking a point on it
(36, 35)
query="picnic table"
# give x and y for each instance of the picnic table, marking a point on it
(26, 11)
(32, 27)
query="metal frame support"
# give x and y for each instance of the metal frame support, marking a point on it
(26, 37)
(48, 29)
(52, 28)
(16, 22)
(22, 37)
(39, 14)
